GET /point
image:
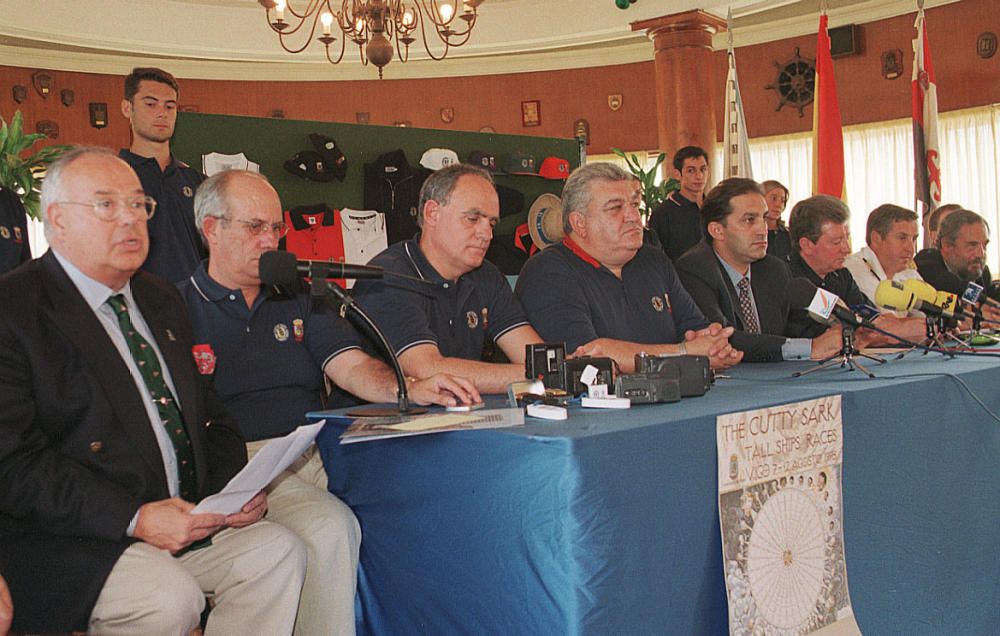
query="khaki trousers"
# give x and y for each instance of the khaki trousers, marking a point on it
(298, 500)
(255, 574)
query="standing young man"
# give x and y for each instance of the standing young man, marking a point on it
(677, 221)
(150, 105)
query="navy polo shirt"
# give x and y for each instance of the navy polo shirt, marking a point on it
(175, 247)
(570, 297)
(677, 223)
(266, 362)
(456, 316)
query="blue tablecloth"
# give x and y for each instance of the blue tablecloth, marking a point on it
(607, 523)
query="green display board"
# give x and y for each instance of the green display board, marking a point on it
(270, 142)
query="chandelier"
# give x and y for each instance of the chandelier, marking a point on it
(378, 27)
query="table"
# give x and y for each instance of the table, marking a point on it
(607, 523)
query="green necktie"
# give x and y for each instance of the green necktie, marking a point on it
(170, 416)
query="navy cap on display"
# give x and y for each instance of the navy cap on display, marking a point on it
(521, 163)
(309, 164)
(485, 160)
(333, 157)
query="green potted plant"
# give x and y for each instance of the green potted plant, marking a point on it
(652, 193)
(23, 174)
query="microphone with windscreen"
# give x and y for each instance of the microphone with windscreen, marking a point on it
(820, 304)
(823, 307)
(895, 295)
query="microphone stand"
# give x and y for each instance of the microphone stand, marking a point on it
(935, 327)
(320, 287)
(846, 358)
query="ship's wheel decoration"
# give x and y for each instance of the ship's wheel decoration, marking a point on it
(796, 82)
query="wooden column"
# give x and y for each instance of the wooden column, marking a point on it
(686, 83)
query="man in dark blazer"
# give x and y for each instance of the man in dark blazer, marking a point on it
(734, 255)
(93, 533)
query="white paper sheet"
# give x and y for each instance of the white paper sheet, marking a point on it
(268, 463)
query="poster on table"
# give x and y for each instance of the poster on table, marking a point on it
(780, 511)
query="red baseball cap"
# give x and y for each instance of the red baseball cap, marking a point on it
(554, 168)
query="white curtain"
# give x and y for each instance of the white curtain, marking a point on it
(878, 165)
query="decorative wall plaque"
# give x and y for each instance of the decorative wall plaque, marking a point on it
(20, 93)
(986, 45)
(42, 83)
(892, 63)
(615, 102)
(448, 114)
(98, 114)
(531, 113)
(66, 96)
(48, 128)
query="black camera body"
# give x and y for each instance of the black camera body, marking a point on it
(574, 369)
(650, 387)
(693, 372)
(547, 362)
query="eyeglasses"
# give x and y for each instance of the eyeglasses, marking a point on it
(110, 208)
(256, 228)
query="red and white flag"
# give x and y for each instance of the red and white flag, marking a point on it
(926, 151)
(828, 136)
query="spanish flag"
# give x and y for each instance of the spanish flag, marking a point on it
(828, 139)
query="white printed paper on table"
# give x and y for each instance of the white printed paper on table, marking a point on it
(780, 511)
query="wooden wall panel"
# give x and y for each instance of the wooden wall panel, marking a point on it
(964, 80)
(478, 101)
(74, 121)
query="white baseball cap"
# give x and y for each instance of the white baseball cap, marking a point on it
(437, 158)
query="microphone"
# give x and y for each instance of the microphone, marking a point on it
(949, 303)
(894, 295)
(925, 293)
(820, 303)
(282, 268)
(975, 294)
(921, 290)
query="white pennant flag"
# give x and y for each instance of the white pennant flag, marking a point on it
(736, 153)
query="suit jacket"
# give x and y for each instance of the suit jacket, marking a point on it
(78, 456)
(708, 283)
